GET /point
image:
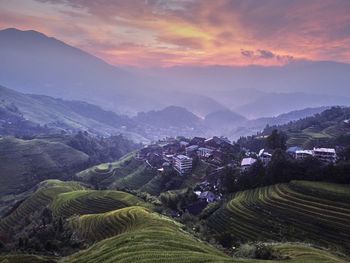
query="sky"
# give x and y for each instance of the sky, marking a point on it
(152, 33)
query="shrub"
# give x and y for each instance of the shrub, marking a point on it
(246, 251)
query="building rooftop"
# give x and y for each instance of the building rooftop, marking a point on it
(192, 147)
(182, 157)
(325, 150)
(262, 152)
(248, 161)
(293, 149)
(204, 149)
(310, 152)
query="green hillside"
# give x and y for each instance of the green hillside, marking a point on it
(24, 163)
(313, 212)
(91, 202)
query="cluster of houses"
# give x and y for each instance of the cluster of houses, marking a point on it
(180, 152)
(263, 155)
(326, 155)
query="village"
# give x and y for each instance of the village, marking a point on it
(182, 154)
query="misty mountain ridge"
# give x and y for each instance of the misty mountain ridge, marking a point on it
(35, 63)
(297, 85)
(172, 116)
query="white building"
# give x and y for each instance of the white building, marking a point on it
(302, 154)
(325, 154)
(247, 162)
(204, 152)
(183, 164)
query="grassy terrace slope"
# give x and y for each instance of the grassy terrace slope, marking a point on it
(92, 202)
(309, 211)
(127, 172)
(135, 234)
(97, 227)
(45, 194)
(141, 236)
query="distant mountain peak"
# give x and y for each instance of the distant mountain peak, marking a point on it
(14, 32)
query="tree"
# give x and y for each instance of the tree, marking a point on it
(20, 242)
(60, 225)
(280, 169)
(277, 140)
(225, 239)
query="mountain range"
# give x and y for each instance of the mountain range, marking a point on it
(32, 62)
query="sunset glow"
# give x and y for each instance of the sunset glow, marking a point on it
(191, 32)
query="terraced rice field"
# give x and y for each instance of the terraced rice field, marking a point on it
(308, 211)
(92, 202)
(142, 236)
(97, 227)
(124, 166)
(310, 137)
(47, 191)
(136, 234)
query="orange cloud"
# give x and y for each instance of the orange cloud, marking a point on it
(198, 32)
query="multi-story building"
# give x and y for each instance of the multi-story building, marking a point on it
(325, 154)
(183, 164)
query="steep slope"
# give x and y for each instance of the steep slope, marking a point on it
(20, 49)
(309, 211)
(24, 163)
